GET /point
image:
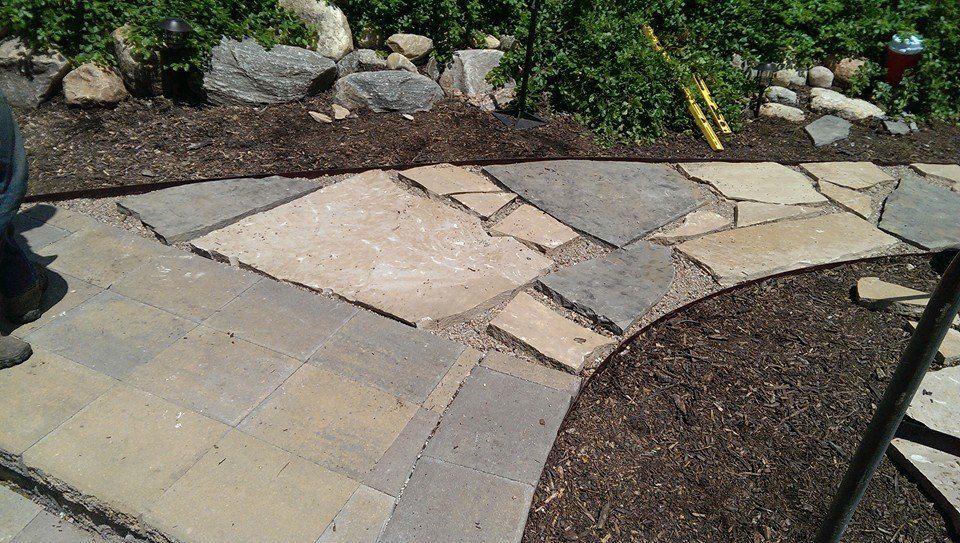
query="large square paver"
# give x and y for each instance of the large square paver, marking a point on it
(50, 528)
(617, 289)
(530, 225)
(248, 491)
(111, 333)
(40, 394)
(447, 179)
(502, 425)
(283, 318)
(184, 284)
(617, 202)
(64, 292)
(758, 181)
(369, 240)
(71, 221)
(32, 234)
(16, 512)
(397, 463)
(391, 356)
(125, 448)
(923, 214)
(214, 374)
(330, 420)
(853, 175)
(181, 213)
(361, 520)
(444, 502)
(758, 251)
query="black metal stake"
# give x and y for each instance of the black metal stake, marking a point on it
(914, 363)
(520, 119)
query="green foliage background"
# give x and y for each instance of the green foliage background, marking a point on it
(592, 58)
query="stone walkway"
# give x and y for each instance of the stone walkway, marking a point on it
(192, 400)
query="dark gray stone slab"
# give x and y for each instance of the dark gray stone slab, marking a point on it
(828, 129)
(391, 356)
(448, 503)
(923, 214)
(617, 202)
(500, 424)
(189, 211)
(615, 290)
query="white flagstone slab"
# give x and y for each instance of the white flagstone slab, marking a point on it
(756, 181)
(529, 224)
(447, 179)
(750, 213)
(853, 175)
(742, 254)
(370, 241)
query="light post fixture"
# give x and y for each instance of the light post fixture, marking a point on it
(763, 78)
(176, 33)
(518, 118)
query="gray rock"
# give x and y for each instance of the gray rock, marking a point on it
(361, 60)
(245, 73)
(388, 91)
(780, 95)
(396, 61)
(897, 128)
(828, 129)
(93, 85)
(615, 290)
(29, 78)
(790, 76)
(335, 39)
(432, 69)
(412, 46)
(507, 42)
(139, 74)
(820, 76)
(923, 214)
(467, 72)
(616, 202)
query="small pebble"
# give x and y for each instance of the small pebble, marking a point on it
(407, 116)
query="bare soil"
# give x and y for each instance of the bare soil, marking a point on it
(733, 421)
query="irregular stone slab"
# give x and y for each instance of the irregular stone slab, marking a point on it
(935, 471)
(443, 394)
(949, 349)
(759, 181)
(853, 175)
(361, 520)
(944, 172)
(447, 179)
(828, 129)
(445, 502)
(696, 223)
(16, 512)
(44, 72)
(880, 295)
(549, 335)
(129, 465)
(529, 224)
(188, 211)
(500, 424)
(750, 213)
(243, 72)
(851, 200)
(897, 128)
(617, 202)
(923, 214)
(739, 255)
(273, 496)
(396, 465)
(334, 38)
(390, 90)
(615, 290)
(937, 403)
(372, 242)
(535, 373)
(485, 204)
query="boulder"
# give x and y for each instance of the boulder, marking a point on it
(780, 95)
(846, 69)
(820, 76)
(849, 108)
(28, 78)
(781, 111)
(432, 69)
(361, 60)
(790, 76)
(93, 85)
(491, 42)
(335, 39)
(507, 42)
(391, 90)
(396, 61)
(245, 73)
(139, 74)
(412, 46)
(467, 72)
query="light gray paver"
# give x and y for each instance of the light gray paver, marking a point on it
(949, 173)
(391, 356)
(751, 213)
(617, 289)
(283, 318)
(16, 512)
(617, 202)
(248, 491)
(935, 471)
(447, 179)
(447, 388)
(828, 129)
(49, 528)
(485, 204)
(71, 221)
(850, 200)
(535, 373)
(529, 224)
(64, 292)
(446, 502)
(756, 181)
(361, 520)
(182, 213)
(126, 465)
(853, 175)
(397, 463)
(739, 255)
(214, 374)
(111, 333)
(500, 424)
(33, 234)
(923, 214)
(937, 404)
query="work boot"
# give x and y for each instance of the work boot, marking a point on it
(13, 351)
(26, 307)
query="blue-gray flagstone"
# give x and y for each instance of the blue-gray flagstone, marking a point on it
(923, 214)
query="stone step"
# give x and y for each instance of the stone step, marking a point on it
(923, 214)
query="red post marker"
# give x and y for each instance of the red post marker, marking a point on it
(903, 53)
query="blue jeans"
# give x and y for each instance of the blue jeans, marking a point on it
(17, 274)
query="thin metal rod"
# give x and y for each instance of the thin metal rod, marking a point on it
(914, 363)
(528, 58)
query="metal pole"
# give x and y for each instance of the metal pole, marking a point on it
(528, 58)
(914, 363)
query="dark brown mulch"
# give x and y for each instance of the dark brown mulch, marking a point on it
(148, 141)
(733, 421)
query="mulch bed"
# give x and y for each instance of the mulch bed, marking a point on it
(142, 142)
(733, 421)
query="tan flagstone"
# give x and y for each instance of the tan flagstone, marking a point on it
(877, 294)
(949, 350)
(485, 204)
(937, 402)
(695, 224)
(944, 172)
(533, 226)
(447, 179)
(549, 334)
(853, 175)
(934, 470)
(851, 200)
(742, 254)
(757, 181)
(750, 213)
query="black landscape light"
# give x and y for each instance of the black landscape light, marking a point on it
(518, 118)
(176, 33)
(763, 76)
